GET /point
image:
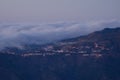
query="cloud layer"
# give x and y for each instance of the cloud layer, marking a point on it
(19, 34)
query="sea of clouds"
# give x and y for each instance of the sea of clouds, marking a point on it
(16, 35)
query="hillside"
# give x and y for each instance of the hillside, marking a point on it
(101, 42)
(95, 56)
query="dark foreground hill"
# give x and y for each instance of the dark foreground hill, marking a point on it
(95, 56)
(74, 67)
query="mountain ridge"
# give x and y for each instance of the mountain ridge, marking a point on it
(71, 60)
(106, 40)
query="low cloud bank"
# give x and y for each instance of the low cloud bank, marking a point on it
(18, 34)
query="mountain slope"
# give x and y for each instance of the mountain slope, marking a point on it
(66, 63)
(102, 42)
(108, 38)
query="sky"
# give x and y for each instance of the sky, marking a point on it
(37, 11)
(44, 21)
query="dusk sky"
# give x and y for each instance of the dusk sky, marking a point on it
(35, 11)
(43, 21)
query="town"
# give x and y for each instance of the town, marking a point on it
(67, 49)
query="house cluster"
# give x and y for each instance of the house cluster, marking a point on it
(94, 49)
(87, 49)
